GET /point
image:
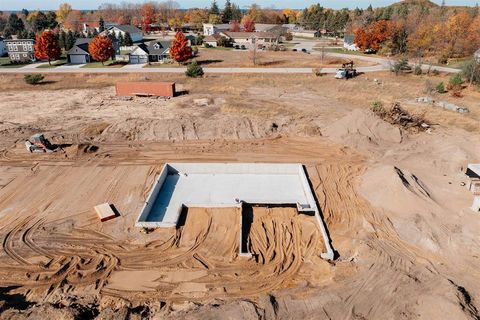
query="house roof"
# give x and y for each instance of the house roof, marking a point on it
(155, 47)
(15, 40)
(221, 26)
(212, 38)
(127, 28)
(80, 46)
(306, 31)
(246, 35)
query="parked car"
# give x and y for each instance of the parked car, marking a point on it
(237, 46)
(304, 50)
(294, 49)
(370, 51)
(243, 47)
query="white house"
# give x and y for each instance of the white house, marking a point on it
(306, 33)
(248, 38)
(210, 29)
(3, 47)
(135, 33)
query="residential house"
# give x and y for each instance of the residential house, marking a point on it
(261, 39)
(135, 33)
(349, 43)
(476, 56)
(3, 47)
(79, 53)
(212, 41)
(21, 50)
(211, 29)
(306, 33)
(90, 26)
(153, 51)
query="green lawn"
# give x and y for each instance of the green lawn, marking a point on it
(5, 63)
(59, 62)
(341, 50)
(106, 64)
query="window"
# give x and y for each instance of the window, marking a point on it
(17, 56)
(24, 55)
(25, 47)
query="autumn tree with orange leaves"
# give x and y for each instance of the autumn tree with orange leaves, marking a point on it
(147, 13)
(372, 36)
(248, 24)
(101, 48)
(180, 51)
(47, 47)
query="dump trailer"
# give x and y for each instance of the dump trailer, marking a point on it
(346, 71)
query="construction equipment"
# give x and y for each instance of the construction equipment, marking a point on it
(346, 71)
(38, 143)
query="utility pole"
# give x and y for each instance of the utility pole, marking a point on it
(254, 42)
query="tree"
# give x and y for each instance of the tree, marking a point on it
(180, 51)
(62, 39)
(147, 12)
(101, 25)
(227, 14)
(214, 8)
(74, 21)
(128, 39)
(235, 26)
(372, 36)
(62, 12)
(194, 70)
(14, 24)
(51, 20)
(47, 47)
(101, 48)
(248, 24)
(121, 39)
(70, 40)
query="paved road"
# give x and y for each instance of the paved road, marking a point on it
(382, 64)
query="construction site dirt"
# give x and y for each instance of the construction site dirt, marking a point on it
(406, 241)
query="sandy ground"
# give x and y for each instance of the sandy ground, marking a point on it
(239, 58)
(395, 207)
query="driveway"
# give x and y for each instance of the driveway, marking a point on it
(307, 45)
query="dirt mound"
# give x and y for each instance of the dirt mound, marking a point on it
(397, 116)
(361, 129)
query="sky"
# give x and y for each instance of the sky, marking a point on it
(295, 4)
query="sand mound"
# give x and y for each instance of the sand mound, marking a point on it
(394, 189)
(361, 128)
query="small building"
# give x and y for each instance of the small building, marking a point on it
(211, 29)
(20, 50)
(349, 42)
(306, 33)
(248, 38)
(135, 33)
(79, 53)
(94, 25)
(476, 56)
(212, 40)
(153, 51)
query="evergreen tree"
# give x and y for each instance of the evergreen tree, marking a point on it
(31, 35)
(121, 40)
(128, 39)
(101, 25)
(214, 8)
(14, 24)
(51, 20)
(70, 40)
(62, 39)
(25, 12)
(227, 12)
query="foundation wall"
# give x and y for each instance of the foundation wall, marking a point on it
(161, 89)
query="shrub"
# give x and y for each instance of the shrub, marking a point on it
(455, 80)
(435, 72)
(194, 70)
(376, 106)
(418, 70)
(471, 71)
(33, 78)
(440, 87)
(194, 50)
(401, 66)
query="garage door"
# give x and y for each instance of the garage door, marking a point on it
(77, 58)
(138, 59)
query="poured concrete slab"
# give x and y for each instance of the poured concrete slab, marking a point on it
(227, 185)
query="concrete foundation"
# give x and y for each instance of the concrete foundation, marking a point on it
(207, 185)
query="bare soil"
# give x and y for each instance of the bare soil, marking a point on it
(393, 200)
